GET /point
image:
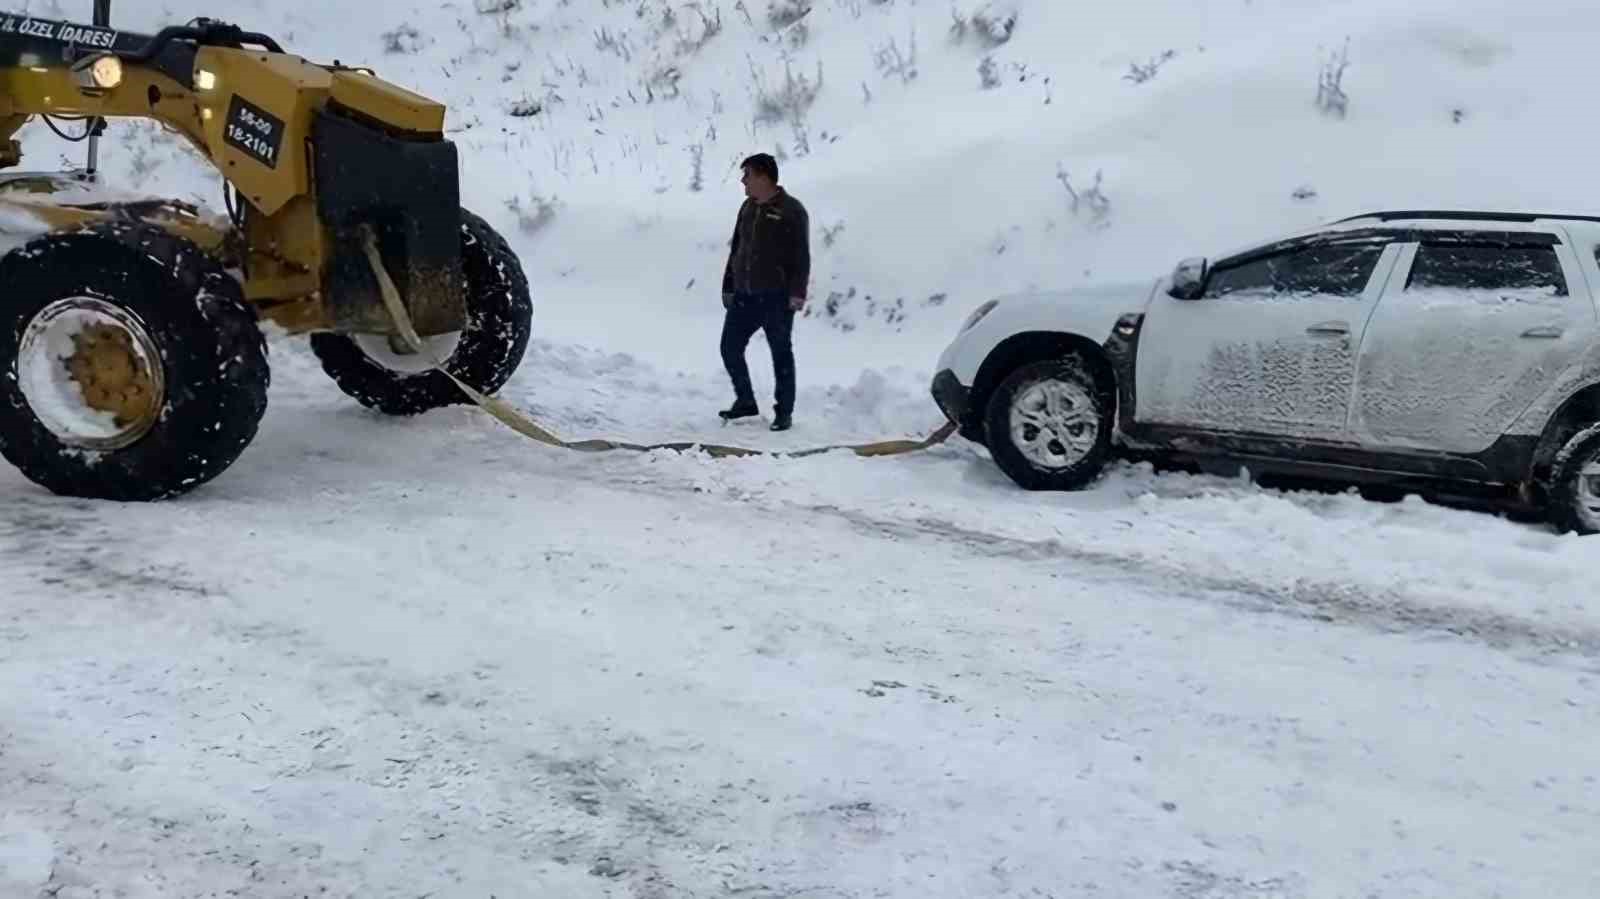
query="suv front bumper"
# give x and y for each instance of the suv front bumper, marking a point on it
(954, 399)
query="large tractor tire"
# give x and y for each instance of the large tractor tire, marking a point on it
(132, 368)
(485, 354)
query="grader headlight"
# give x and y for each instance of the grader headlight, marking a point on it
(102, 72)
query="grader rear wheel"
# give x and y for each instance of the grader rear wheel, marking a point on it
(132, 368)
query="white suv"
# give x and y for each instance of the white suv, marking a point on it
(1438, 351)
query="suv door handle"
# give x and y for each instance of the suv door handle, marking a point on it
(1547, 333)
(1329, 328)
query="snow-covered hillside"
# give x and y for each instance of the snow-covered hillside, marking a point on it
(934, 140)
(426, 657)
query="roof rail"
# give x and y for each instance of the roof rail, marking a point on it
(1465, 215)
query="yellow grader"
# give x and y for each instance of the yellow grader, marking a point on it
(132, 359)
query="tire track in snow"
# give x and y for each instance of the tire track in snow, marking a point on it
(427, 757)
(61, 542)
(65, 544)
(1393, 611)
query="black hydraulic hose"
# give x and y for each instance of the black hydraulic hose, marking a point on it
(88, 130)
(212, 34)
(158, 43)
(256, 39)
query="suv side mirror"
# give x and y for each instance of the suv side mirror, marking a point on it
(1189, 279)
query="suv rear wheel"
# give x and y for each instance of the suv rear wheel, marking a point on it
(1575, 484)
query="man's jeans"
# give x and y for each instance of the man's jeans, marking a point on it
(752, 312)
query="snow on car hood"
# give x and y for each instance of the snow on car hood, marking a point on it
(1122, 295)
(1091, 310)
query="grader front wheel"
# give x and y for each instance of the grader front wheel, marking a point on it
(91, 373)
(385, 375)
(130, 367)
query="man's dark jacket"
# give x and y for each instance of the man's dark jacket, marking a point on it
(771, 248)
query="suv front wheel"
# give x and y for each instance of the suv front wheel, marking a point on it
(1048, 424)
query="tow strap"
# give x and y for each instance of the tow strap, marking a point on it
(516, 420)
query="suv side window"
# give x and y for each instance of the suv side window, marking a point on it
(1522, 272)
(1337, 271)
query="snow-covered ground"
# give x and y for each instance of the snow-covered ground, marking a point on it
(430, 658)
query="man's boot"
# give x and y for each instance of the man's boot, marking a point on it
(782, 422)
(740, 409)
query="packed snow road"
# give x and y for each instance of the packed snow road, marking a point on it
(428, 658)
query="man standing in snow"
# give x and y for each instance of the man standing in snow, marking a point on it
(764, 285)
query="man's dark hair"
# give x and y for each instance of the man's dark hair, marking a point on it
(764, 164)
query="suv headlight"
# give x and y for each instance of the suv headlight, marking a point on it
(977, 315)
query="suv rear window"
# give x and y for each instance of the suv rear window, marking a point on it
(1525, 271)
(1338, 271)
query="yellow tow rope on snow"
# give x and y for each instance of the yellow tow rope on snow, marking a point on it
(514, 419)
